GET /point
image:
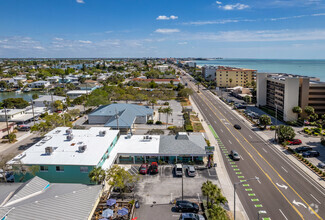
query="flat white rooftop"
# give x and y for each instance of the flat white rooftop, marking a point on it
(138, 144)
(66, 152)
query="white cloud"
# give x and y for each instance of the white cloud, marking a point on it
(182, 43)
(80, 1)
(164, 17)
(218, 3)
(85, 41)
(58, 39)
(166, 31)
(237, 6)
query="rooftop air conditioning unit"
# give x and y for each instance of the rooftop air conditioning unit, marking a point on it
(69, 131)
(82, 148)
(70, 137)
(129, 136)
(102, 133)
(48, 150)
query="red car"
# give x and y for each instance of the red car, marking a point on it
(144, 169)
(153, 169)
(295, 142)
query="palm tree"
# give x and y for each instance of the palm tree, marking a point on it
(198, 86)
(168, 111)
(153, 102)
(216, 212)
(206, 190)
(97, 175)
(160, 110)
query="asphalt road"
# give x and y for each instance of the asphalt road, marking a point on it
(283, 190)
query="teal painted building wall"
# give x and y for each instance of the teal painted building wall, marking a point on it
(70, 173)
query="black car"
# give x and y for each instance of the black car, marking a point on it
(303, 149)
(237, 127)
(186, 206)
(312, 153)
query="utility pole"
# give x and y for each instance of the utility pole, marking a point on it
(33, 111)
(182, 184)
(276, 121)
(52, 102)
(7, 124)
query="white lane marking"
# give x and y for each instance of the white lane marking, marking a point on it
(315, 198)
(210, 115)
(229, 141)
(230, 118)
(242, 157)
(264, 150)
(215, 122)
(284, 169)
(250, 136)
(206, 109)
(225, 112)
(221, 130)
(198, 196)
(283, 214)
(258, 180)
(282, 186)
(299, 204)
(219, 107)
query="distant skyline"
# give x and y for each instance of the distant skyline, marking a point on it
(274, 29)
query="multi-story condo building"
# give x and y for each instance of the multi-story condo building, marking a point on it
(231, 77)
(282, 92)
(209, 72)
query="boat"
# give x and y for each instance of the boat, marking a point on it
(27, 90)
(18, 91)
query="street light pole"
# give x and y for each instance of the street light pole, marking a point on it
(182, 184)
(235, 184)
(276, 121)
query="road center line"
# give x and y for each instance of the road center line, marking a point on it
(315, 198)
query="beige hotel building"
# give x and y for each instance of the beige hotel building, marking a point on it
(231, 77)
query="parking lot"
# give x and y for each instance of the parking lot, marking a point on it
(157, 193)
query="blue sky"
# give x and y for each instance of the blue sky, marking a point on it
(166, 28)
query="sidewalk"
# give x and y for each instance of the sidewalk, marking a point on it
(223, 178)
(279, 148)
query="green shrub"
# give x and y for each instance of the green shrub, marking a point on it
(171, 127)
(166, 103)
(150, 122)
(316, 134)
(158, 122)
(189, 128)
(322, 141)
(272, 127)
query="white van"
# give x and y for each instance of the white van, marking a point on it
(178, 170)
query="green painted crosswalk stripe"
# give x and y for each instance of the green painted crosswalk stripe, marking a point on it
(241, 177)
(233, 165)
(213, 132)
(245, 185)
(238, 172)
(254, 200)
(232, 162)
(258, 206)
(236, 169)
(229, 159)
(251, 194)
(266, 218)
(242, 180)
(248, 190)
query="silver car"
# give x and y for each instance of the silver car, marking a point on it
(234, 155)
(321, 165)
(191, 171)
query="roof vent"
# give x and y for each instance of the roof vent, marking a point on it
(48, 150)
(129, 136)
(102, 133)
(182, 136)
(69, 131)
(82, 148)
(147, 138)
(69, 137)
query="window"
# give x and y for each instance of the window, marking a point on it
(59, 168)
(83, 169)
(44, 168)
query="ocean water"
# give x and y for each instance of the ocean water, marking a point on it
(314, 68)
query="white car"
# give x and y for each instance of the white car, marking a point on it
(178, 169)
(191, 171)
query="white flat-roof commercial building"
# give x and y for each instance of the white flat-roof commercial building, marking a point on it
(77, 93)
(68, 155)
(47, 100)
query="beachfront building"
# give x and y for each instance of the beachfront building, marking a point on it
(209, 72)
(120, 116)
(41, 199)
(190, 64)
(282, 92)
(231, 77)
(48, 100)
(67, 155)
(137, 149)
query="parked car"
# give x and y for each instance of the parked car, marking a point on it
(153, 169)
(311, 153)
(295, 142)
(191, 216)
(191, 171)
(321, 165)
(237, 126)
(23, 128)
(303, 149)
(178, 169)
(10, 177)
(186, 206)
(234, 155)
(144, 169)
